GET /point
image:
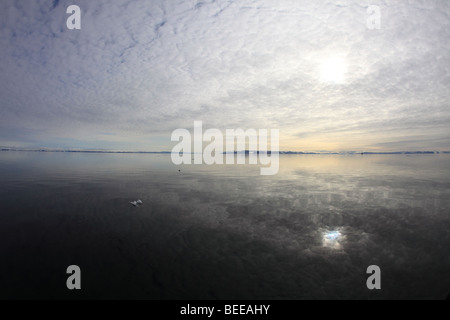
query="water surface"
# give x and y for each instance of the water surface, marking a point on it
(224, 231)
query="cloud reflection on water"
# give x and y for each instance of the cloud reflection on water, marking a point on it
(309, 232)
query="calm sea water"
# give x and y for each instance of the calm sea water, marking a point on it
(224, 231)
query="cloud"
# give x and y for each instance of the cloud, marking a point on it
(139, 70)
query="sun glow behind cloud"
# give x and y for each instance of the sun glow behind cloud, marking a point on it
(333, 70)
(312, 69)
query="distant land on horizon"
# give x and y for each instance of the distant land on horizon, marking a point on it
(235, 152)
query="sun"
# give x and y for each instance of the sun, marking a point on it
(333, 70)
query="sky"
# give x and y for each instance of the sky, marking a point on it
(314, 70)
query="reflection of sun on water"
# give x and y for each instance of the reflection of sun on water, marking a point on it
(332, 239)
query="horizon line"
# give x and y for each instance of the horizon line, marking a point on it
(246, 152)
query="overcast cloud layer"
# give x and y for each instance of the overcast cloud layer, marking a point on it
(139, 69)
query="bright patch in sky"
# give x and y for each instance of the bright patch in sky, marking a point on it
(333, 70)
